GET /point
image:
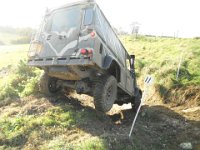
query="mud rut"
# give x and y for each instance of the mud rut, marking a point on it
(157, 127)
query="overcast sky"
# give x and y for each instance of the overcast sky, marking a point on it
(160, 17)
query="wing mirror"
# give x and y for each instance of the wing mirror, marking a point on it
(132, 63)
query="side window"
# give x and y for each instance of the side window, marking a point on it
(88, 18)
(98, 24)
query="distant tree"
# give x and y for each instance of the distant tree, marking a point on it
(19, 31)
(135, 26)
(23, 33)
(22, 40)
(197, 38)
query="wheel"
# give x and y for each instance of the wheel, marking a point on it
(48, 85)
(136, 100)
(105, 93)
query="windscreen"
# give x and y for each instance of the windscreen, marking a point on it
(65, 19)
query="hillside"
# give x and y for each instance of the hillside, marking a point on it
(160, 57)
(171, 115)
(10, 35)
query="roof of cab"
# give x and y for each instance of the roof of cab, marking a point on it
(76, 2)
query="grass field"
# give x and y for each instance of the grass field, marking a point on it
(11, 54)
(29, 120)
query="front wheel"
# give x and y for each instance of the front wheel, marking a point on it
(136, 100)
(105, 93)
(48, 85)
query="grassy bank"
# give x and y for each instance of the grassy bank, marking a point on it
(160, 57)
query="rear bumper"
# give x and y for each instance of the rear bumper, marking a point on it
(59, 62)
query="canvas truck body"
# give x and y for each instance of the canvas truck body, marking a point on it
(78, 48)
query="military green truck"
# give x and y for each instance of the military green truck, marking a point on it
(78, 49)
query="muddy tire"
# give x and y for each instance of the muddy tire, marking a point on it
(105, 93)
(136, 101)
(48, 85)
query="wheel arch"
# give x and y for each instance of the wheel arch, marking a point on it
(113, 67)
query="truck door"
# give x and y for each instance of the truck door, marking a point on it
(61, 32)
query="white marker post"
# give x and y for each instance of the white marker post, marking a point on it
(179, 65)
(147, 82)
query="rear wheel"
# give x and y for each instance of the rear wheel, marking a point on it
(105, 93)
(48, 85)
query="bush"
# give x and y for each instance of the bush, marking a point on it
(31, 87)
(197, 38)
(22, 82)
(7, 91)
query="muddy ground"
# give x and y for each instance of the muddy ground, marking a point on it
(159, 126)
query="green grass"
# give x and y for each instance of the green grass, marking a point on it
(50, 129)
(11, 54)
(94, 143)
(160, 57)
(19, 80)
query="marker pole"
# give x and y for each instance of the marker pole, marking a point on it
(147, 82)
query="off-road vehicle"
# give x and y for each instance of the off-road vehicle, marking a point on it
(77, 48)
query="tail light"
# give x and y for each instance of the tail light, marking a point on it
(92, 34)
(83, 51)
(90, 51)
(87, 52)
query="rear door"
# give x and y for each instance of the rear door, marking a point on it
(61, 32)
